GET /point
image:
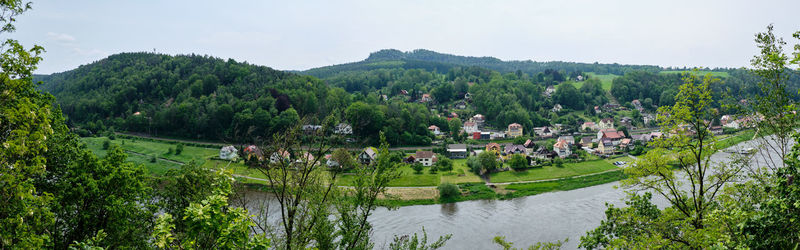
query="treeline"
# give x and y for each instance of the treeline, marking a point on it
(431, 60)
(660, 89)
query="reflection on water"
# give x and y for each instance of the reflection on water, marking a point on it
(524, 221)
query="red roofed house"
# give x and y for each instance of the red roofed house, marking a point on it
(611, 134)
(435, 129)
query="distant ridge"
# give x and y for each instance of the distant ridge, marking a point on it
(441, 62)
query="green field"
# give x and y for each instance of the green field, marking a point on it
(552, 172)
(604, 79)
(699, 73)
(95, 144)
(525, 189)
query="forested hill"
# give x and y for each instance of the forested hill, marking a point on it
(434, 61)
(186, 95)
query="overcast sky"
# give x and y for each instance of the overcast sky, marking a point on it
(302, 34)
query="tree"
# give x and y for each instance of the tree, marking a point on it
(365, 119)
(24, 127)
(474, 164)
(448, 191)
(417, 167)
(488, 160)
(777, 104)
(568, 95)
(344, 158)
(210, 223)
(686, 221)
(518, 162)
(444, 164)
(179, 149)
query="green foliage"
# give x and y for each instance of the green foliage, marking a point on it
(488, 160)
(179, 149)
(444, 164)
(106, 144)
(407, 242)
(417, 168)
(474, 164)
(153, 158)
(211, 223)
(518, 162)
(448, 191)
(501, 240)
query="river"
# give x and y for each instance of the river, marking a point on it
(524, 221)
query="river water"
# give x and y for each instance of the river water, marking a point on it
(524, 221)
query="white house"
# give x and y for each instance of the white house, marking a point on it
(343, 129)
(228, 153)
(471, 127)
(435, 130)
(368, 156)
(426, 158)
(562, 148)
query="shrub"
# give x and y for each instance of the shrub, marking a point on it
(433, 169)
(444, 164)
(169, 151)
(178, 149)
(417, 168)
(106, 144)
(153, 158)
(518, 162)
(448, 191)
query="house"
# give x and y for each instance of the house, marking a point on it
(514, 149)
(426, 158)
(644, 138)
(544, 132)
(514, 130)
(648, 118)
(626, 143)
(470, 127)
(426, 98)
(403, 92)
(368, 156)
(530, 146)
(253, 151)
(579, 78)
(543, 153)
(452, 115)
(568, 138)
(611, 134)
(343, 129)
(330, 162)
(279, 156)
(637, 105)
(550, 90)
(606, 123)
(597, 110)
(605, 147)
(716, 130)
(586, 141)
(310, 129)
(654, 135)
(479, 119)
(481, 136)
(588, 126)
(228, 153)
(626, 121)
(497, 135)
(556, 108)
(434, 129)
(410, 159)
(732, 124)
(493, 146)
(457, 151)
(307, 158)
(461, 105)
(562, 148)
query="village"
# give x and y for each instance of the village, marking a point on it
(611, 131)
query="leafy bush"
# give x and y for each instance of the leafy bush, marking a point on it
(444, 164)
(448, 191)
(518, 162)
(106, 144)
(417, 168)
(178, 149)
(153, 158)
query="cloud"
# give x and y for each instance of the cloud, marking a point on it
(61, 37)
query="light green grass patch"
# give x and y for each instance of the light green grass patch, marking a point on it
(697, 73)
(552, 172)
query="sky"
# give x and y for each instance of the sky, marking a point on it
(303, 34)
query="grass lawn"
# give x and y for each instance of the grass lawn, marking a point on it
(160, 149)
(699, 73)
(460, 173)
(155, 168)
(604, 79)
(552, 172)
